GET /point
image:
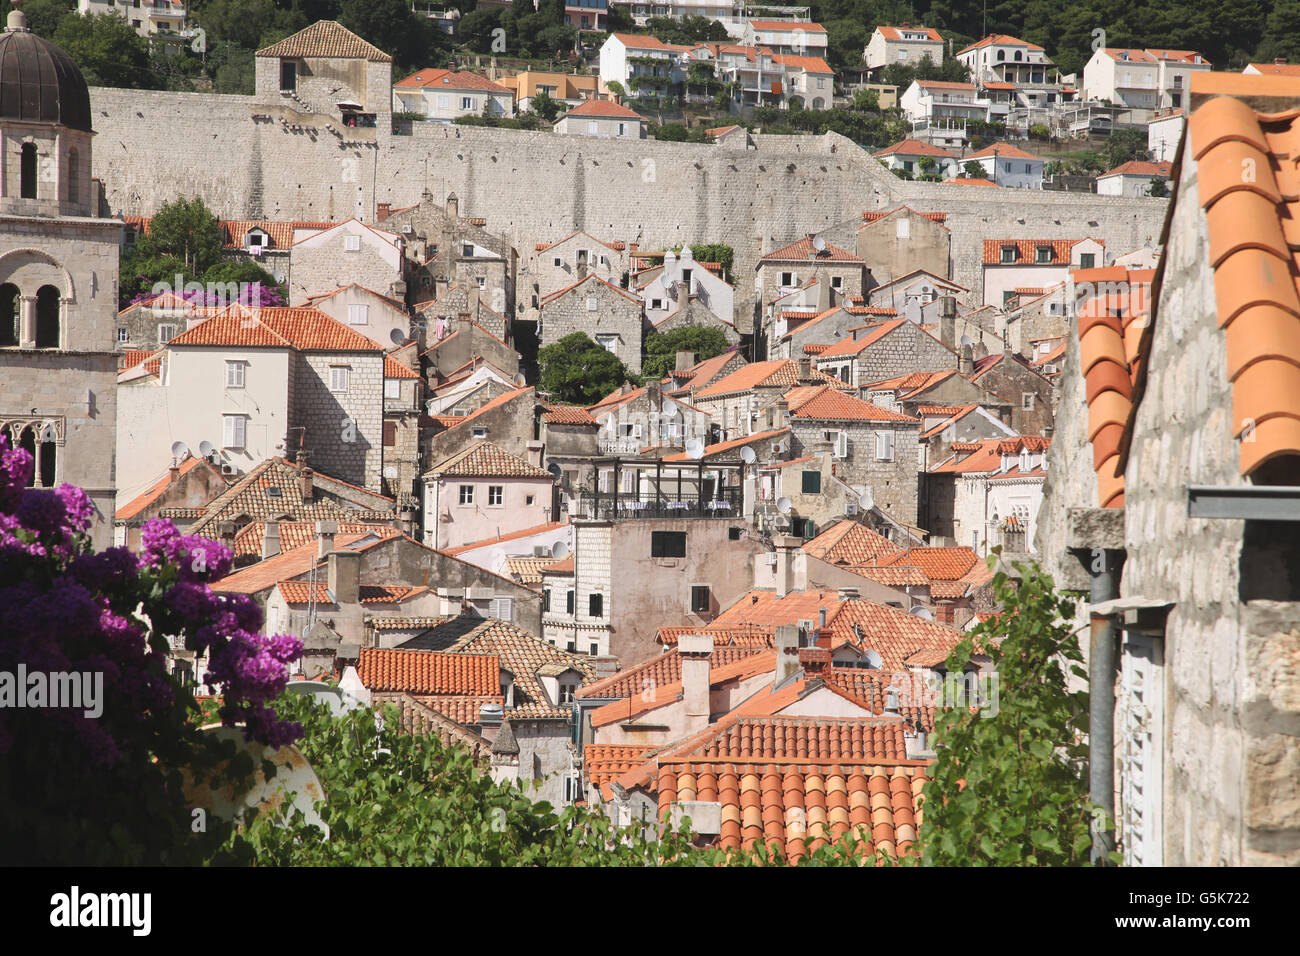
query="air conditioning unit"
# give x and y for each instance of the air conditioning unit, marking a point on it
(228, 469)
(541, 551)
(851, 508)
(407, 229)
(1051, 369)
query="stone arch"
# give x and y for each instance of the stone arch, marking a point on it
(49, 317)
(15, 261)
(818, 103)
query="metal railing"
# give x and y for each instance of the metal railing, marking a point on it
(724, 503)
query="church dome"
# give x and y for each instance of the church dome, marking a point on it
(39, 83)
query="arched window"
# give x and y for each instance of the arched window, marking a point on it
(10, 311)
(28, 172)
(47, 317)
(1002, 55)
(27, 440)
(74, 171)
(46, 464)
(1018, 56)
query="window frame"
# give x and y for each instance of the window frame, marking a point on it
(666, 544)
(499, 493)
(238, 367)
(340, 373)
(701, 606)
(465, 495)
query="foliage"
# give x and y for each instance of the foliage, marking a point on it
(616, 87)
(546, 106)
(1039, 131)
(1010, 786)
(718, 252)
(577, 371)
(1159, 187)
(973, 170)
(139, 275)
(187, 230)
(108, 51)
(868, 101)
(661, 348)
(688, 29)
(902, 75)
(679, 133)
(392, 26)
(105, 788)
(247, 274)
(873, 131)
(1124, 145)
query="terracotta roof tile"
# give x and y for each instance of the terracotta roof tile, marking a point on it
(1027, 250)
(915, 147)
(824, 402)
(568, 415)
(722, 448)
(303, 328)
(606, 108)
(848, 542)
(153, 492)
(450, 80)
(486, 460)
(803, 250)
(806, 738)
(602, 763)
(325, 39)
(295, 534)
(395, 369)
(428, 672)
(666, 668)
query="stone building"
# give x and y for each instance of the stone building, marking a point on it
(796, 265)
(351, 253)
(152, 322)
(881, 350)
(901, 241)
(58, 277)
(680, 279)
(611, 317)
(800, 333)
(328, 73)
(632, 419)
(739, 403)
(872, 447)
(559, 264)
(460, 341)
(509, 421)
(380, 318)
(987, 494)
(483, 491)
(1031, 394)
(918, 295)
(1031, 318)
(1170, 486)
(403, 404)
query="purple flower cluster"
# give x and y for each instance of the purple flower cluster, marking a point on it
(65, 608)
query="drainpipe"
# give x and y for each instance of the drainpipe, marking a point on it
(1104, 568)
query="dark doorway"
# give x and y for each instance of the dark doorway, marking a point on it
(9, 314)
(47, 317)
(28, 172)
(288, 75)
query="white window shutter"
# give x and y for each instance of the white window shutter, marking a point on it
(842, 445)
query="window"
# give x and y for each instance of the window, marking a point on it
(73, 174)
(1044, 254)
(339, 378)
(596, 605)
(593, 649)
(591, 128)
(232, 431)
(1008, 253)
(733, 534)
(166, 333)
(358, 315)
(467, 102)
(546, 599)
(1086, 260)
(123, 335)
(557, 262)
(467, 250)
(1027, 401)
(700, 599)
(787, 278)
(481, 281)
(351, 243)
(568, 606)
(467, 494)
(234, 375)
(1006, 167)
(392, 388)
(573, 647)
(608, 342)
(812, 483)
(1028, 169)
(479, 433)
(592, 303)
(1007, 297)
(622, 127)
(566, 697)
(686, 276)
(496, 495)
(390, 434)
(667, 544)
(884, 446)
(656, 303)
(903, 228)
(837, 282)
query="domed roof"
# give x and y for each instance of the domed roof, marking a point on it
(38, 81)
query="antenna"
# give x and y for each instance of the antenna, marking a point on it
(669, 407)
(695, 449)
(180, 450)
(559, 551)
(819, 243)
(748, 455)
(206, 449)
(397, 336)
(497, 561)
(783, 505)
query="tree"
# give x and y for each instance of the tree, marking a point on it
(1125, 145)
(184, 229)
(1159, 187)
(718, 252)
(246, 276)
(973, 170)
(1011, 783)
(101, 785)
(390, 25)
(661, 348)
(866, 100)
(108, 50)
(673, 132)
(618, 19)
(615, 87)
(577, 371)
(545, 106)
(44, 16)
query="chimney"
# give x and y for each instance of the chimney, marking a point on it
(271, 540)
(489, 721)
(695, 651)
(965, 361)
(814, 661)
(325, 532)
(850, 594)
(343, 576)
(685, 360)
(534, 453)
(778, 414)
(786, 641)
(683, 294)
(227, 529)
(173, 473)
(440, 287)
(604, 666)
(453, 206)
(824, 296)
(382, 211)
(305, 485)
(948, 321)
(805, 369)
(786, 577)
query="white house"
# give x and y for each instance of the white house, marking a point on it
(1011, 264)
(1141, 80)
(1164, 133)
(601, 118)
(145, 16)
(939, 110)
(625, 57)
(443, 95)
(999, 58)
(1132, 179)
(1009, 166)
(379, 318)
(906, 155)
(916, 295)
(796, 37)
(679, 277)
(996, 492)
(907, 45)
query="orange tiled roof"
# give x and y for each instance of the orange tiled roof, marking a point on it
(304, 592)
(805, 738)
(295, 534)
(914, 147)
(1254, 232)
(602, 763)
(153, 492)
(1139, 168)
(971, 181)
(513, 536)
(326, 39)
(1000, 39)
(939, 217)
(606, 108)
(848, 542)
(303, 328)
(1277, 69)
(1002, 149)
(783, 805)
(568, 415)
(824, 402)
(450, 80)
(723, 447)
(939, 564)
(395, 369)
(1108, 301)
(429, 672)
(894, 33)
(486, 460)
(804, 250)
(1027, 251)
(660, 695)
(744, 635)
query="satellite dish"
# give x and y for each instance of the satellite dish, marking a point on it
(819, 243)
(206, 449)
(783, 505)
(397, 336)
(497, 561)
(668, 408)
(922, 612)
(559, 550)
(866, 500)
(695, 449)
(554, 469)
(748, 456)
(338, 702)
(873, 659)
(180, 450)
(966, 340)
(520, 381)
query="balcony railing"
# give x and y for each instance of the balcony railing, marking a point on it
(724, 503)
